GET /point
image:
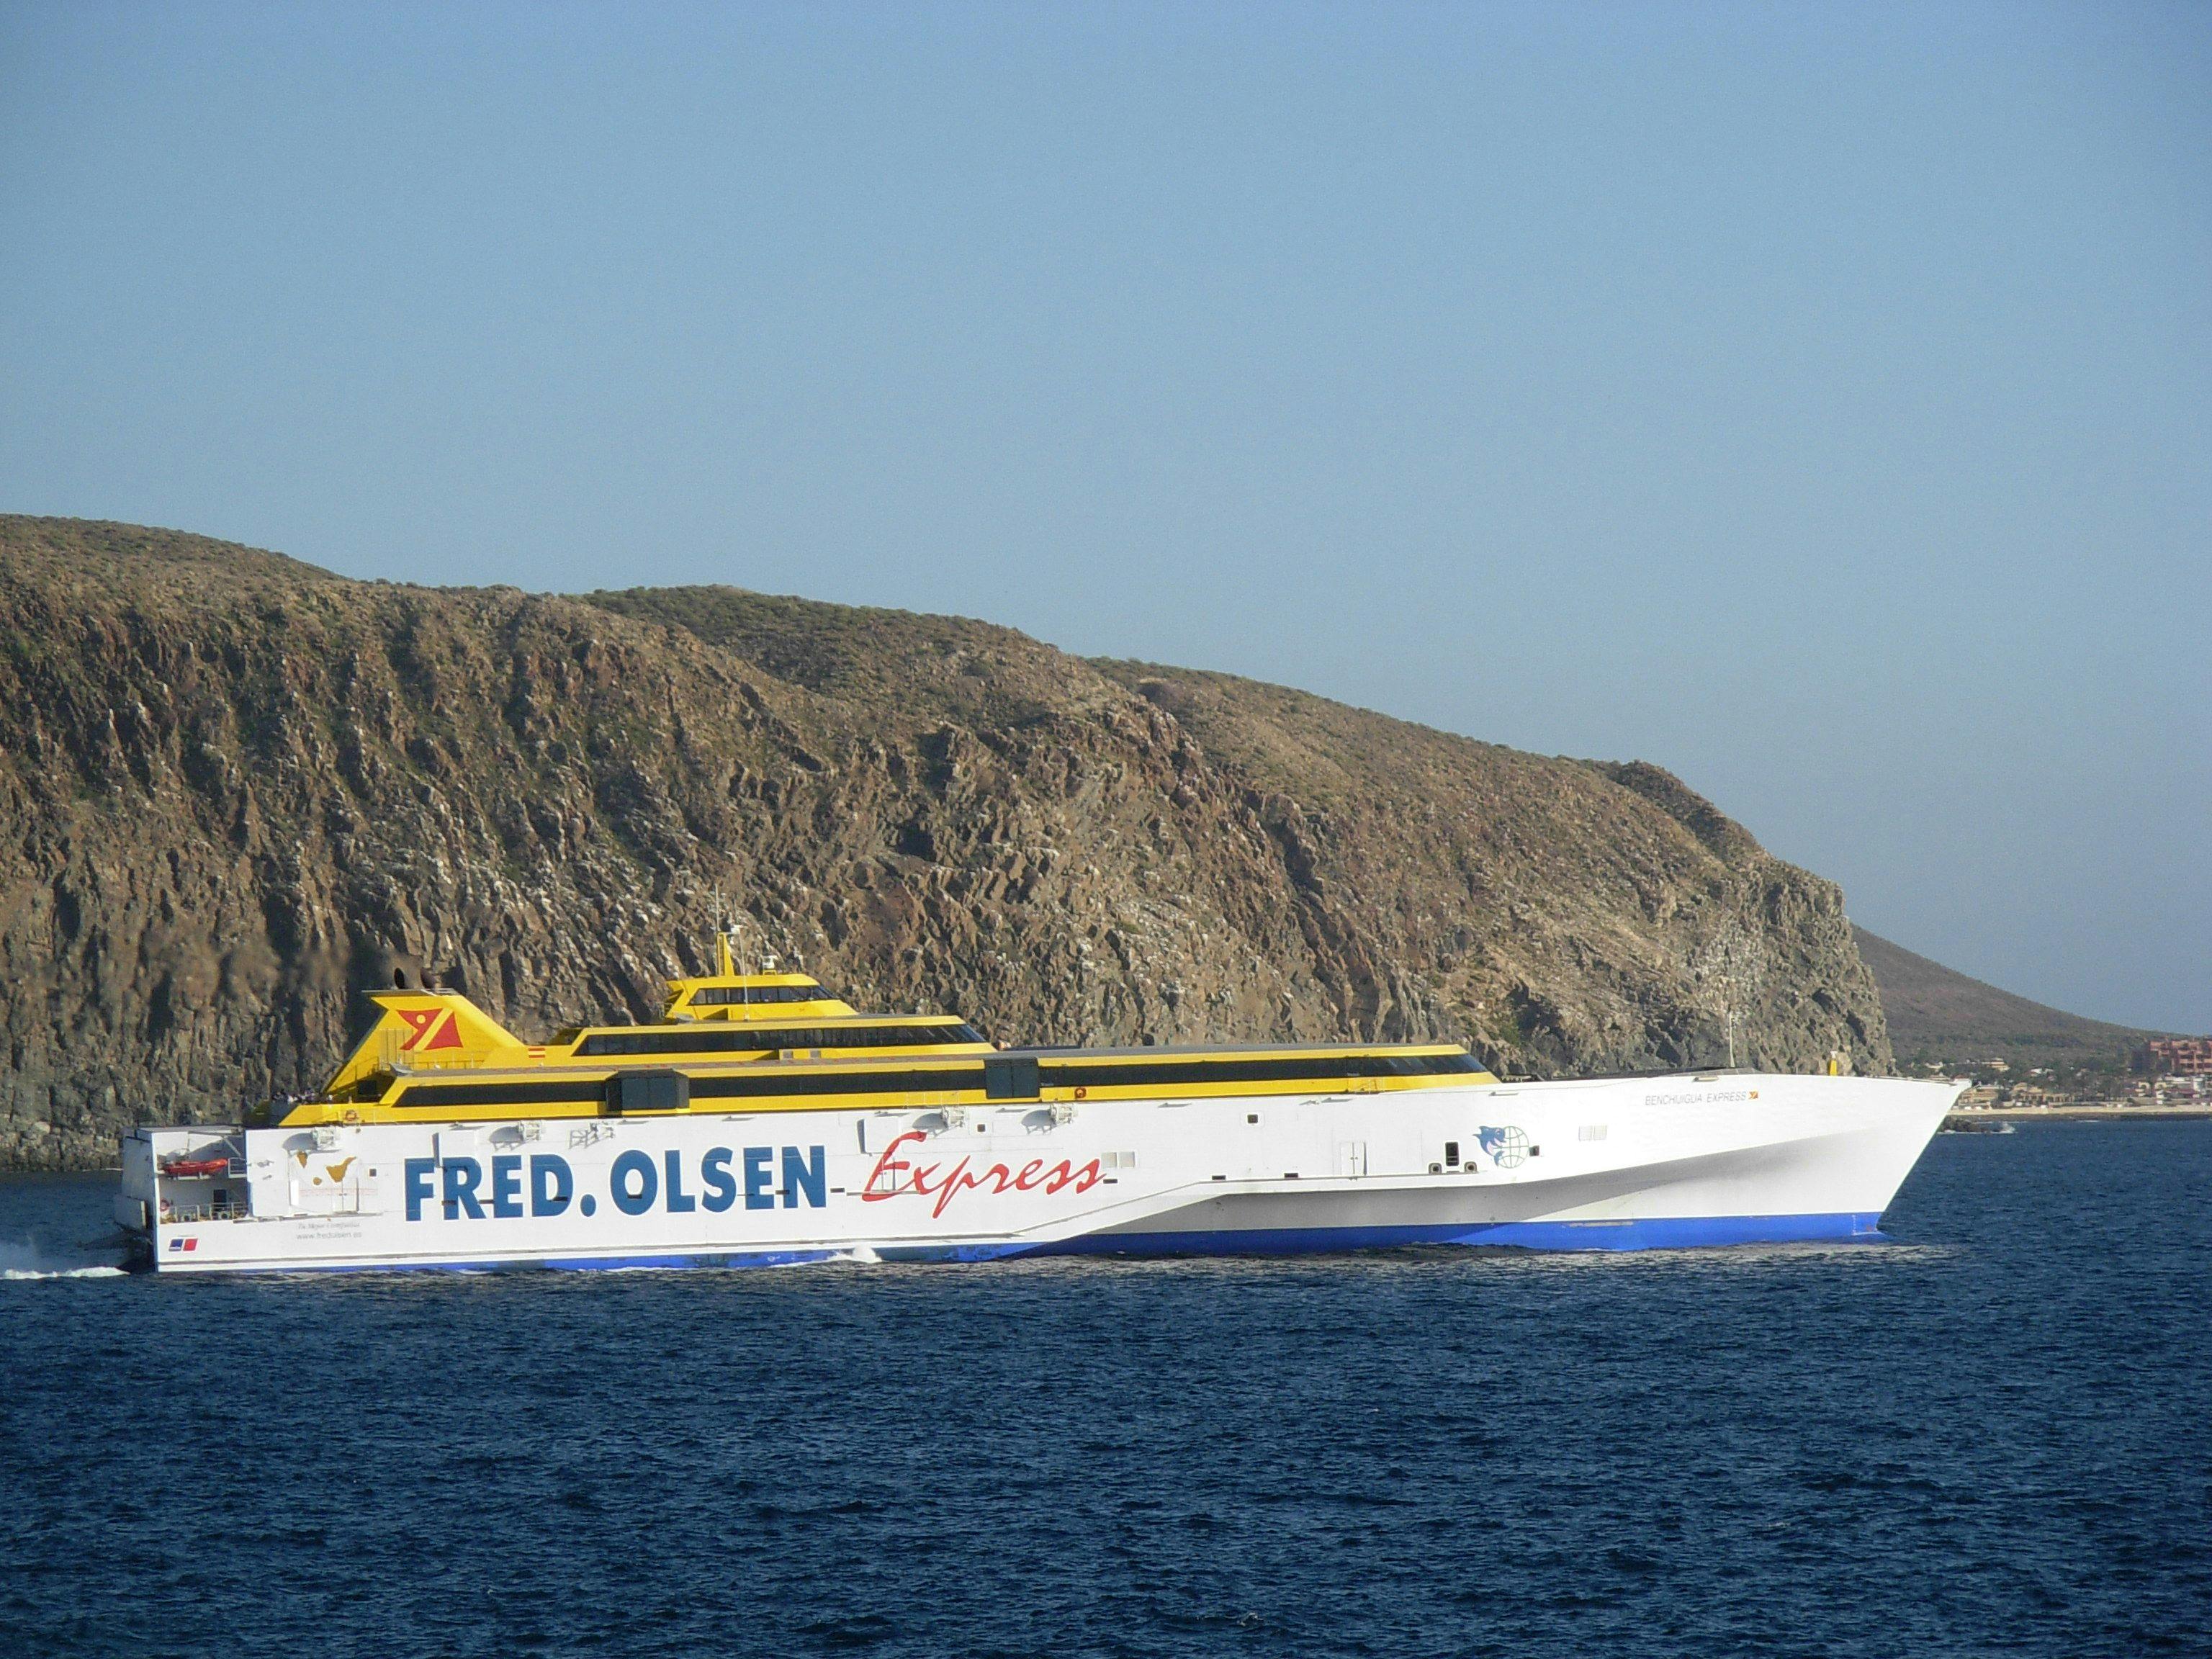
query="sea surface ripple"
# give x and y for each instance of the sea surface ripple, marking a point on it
(1987, 1436)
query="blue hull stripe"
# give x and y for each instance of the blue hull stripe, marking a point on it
(956, 1252)
(1664, 1234)
(1673, 1234)
(538, 1264)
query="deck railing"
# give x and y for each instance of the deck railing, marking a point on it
(230, 1209)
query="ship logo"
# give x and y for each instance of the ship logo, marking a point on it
(433, 1028)
(1508, 1147)
(336, 1172)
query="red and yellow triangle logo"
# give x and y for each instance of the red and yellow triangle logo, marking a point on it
(434, 1028)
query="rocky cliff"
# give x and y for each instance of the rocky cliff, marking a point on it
(234, 789)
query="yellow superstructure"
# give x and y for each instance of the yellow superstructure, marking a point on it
(730, 1042)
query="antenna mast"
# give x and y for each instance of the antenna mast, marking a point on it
(735, 933)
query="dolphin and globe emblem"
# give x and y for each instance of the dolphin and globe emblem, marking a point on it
(1506, 1147)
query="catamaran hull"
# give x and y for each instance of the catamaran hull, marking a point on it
(1624, 1163)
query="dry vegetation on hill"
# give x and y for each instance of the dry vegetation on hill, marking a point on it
(233, 787)
(1937, 1014)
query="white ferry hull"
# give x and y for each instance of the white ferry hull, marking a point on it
(1619, 1164)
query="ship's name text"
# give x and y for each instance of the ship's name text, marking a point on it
(543, 1184)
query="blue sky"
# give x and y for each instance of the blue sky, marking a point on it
(1814, 400)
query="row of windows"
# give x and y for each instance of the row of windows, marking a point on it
(1096, 1074)
(1011, 1078)
(741, 996)
(549, 1093)
(754, 1039)
(768, 1084)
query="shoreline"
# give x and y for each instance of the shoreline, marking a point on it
(2073, 1113)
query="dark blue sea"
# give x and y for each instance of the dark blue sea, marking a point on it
(1992, 1434)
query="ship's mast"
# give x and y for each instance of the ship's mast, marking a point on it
(735, 933)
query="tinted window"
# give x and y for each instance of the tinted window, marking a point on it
(1010, 1079)
(648, 1091)
(727, 996)
(741, 1039)
(1317, 1068)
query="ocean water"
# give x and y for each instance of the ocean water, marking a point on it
(1988, 1436)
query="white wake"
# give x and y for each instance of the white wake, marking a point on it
(26, 1258)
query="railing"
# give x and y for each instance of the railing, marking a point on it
(392, 1057)
(230, 1209)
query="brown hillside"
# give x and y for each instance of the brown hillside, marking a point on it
(1937, 1013)
(232, 786)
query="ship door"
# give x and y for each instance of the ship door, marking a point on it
(1351, 1157)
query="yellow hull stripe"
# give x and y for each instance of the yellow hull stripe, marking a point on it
(384, 1111)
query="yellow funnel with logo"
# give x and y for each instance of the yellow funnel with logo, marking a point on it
(426, 1030)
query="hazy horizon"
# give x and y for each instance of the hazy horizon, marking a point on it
(1813, 404)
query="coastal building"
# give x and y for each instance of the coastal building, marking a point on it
(2180, 1056)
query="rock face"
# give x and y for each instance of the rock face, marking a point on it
(235, 789)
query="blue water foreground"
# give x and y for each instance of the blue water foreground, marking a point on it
(1985, 1433)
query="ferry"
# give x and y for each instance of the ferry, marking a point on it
(761, 1121)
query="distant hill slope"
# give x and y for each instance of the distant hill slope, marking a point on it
(234, 788)
(1936, 1012)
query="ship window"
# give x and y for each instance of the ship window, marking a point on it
(1009, 1080)
(768, 1039)
(422, 1096)
(740, 996)
(1451, 1154)
(772, 1082)
(648, 1091)
(1206, 1069)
